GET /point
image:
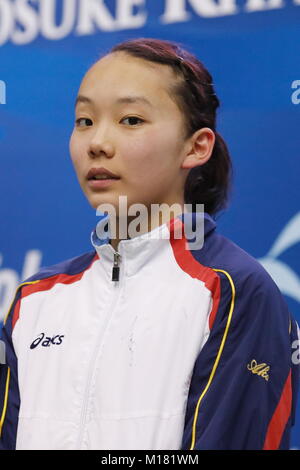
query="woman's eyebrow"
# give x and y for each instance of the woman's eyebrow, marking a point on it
(133, 99)
(82, 99)
(122, 99)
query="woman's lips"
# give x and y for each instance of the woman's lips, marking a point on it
(99, 184)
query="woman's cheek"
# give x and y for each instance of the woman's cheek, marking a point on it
(139, 156)
(75, 151)
(72, 147)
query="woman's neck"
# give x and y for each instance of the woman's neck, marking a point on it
(135, 226)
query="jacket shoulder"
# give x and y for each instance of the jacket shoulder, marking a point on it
(70, 267)
(246, 272)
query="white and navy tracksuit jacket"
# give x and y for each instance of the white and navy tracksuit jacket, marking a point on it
(189, 349)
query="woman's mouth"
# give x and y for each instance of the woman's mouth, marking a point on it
(99, 183)
(100, 177)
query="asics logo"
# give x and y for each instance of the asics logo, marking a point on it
(46, 341)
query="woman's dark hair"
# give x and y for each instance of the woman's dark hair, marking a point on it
(208, 184)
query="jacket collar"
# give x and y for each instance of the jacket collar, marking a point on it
(138, 249)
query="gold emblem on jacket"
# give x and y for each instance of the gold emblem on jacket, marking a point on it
(259, 369)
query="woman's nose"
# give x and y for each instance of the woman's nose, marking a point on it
(100, 144)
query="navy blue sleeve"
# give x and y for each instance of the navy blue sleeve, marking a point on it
(9, 389)
(244, 384)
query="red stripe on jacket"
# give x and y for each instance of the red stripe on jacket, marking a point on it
(280, 417)
(191, 266)
(46, 284)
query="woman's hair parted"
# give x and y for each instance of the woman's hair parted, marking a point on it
(210, 183)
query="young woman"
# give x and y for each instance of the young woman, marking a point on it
(148, 342)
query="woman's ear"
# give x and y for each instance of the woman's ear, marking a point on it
(199, 148)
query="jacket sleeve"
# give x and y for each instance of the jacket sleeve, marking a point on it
(245, 380)
(9, 389)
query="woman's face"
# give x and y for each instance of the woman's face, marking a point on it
(140, 142)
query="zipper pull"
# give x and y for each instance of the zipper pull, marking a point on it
(116, 267)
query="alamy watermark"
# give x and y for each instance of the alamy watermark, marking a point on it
(2, 352)
(295, 97)
(132, 225)
(2, 92)
(296, 353)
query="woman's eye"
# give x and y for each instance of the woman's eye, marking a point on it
(132, 121)
(133, 118)
(82, 119)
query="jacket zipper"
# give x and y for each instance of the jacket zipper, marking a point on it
(116, 267)
(115, 277)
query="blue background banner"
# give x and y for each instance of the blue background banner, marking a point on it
(252, 50)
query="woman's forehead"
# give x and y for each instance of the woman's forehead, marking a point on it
(119, 72)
